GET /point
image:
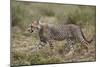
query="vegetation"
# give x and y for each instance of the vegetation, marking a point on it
(23, 43)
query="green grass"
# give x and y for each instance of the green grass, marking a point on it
(23, 43)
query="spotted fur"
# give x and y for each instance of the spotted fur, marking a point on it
(71, 33)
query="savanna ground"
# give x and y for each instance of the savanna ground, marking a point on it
(23, 51)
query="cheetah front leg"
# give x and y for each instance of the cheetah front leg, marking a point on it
(51, 44)
(41, 44)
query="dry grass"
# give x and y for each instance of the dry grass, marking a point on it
(23, 45)
(23, 52)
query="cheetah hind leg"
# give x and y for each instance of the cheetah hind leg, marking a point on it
(84, 48)
(71, 48)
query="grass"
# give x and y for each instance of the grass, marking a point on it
(23, 44)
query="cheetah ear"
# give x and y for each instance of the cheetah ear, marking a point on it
(40, 22)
